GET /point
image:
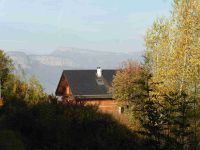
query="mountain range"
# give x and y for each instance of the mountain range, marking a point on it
(48, 68)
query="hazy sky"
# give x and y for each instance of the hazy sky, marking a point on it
(41, 26)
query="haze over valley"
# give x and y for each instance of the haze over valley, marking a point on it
(48, 68)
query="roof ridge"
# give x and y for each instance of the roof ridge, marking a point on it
(86, 69)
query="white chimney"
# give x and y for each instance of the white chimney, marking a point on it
(99, 72)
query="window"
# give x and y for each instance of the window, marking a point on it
(100, 81)
(121, 110)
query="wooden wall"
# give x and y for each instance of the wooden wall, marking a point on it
(109, 106)
(1, 102)
(105, 105)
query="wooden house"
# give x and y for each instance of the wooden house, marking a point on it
(1, 102)
(89, 87)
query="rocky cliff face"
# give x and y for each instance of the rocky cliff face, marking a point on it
(48, 68)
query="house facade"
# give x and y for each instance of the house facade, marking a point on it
(88, 87)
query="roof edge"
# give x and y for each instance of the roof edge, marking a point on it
(63, 75)
(59, 83)
(102, 96)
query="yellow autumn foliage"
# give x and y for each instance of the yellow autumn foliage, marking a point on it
(173, 45)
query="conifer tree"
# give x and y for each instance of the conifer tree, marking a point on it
(173, 48)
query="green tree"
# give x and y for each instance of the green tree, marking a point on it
(35, 92)
(172, 47)
(13, 86)
(6, 71)
(131, 86)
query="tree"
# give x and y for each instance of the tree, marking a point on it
(166, 90)
(35, 93)
(131, 85)
(126, 77)
(6, 69)
(14, 87)
(172, 46)
(124, 86)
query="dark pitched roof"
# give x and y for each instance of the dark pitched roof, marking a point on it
(85, 83)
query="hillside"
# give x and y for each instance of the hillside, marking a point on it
(48, 68)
